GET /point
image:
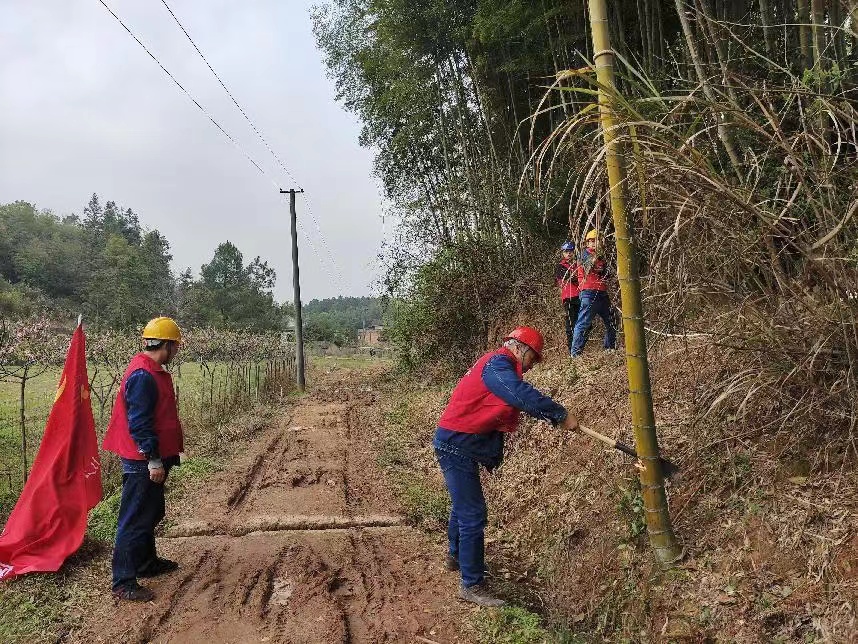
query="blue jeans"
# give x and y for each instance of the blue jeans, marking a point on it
(468, 515)
(594, 303)
(141, 508)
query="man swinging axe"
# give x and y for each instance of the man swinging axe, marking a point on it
(483, 407)
(146, 434)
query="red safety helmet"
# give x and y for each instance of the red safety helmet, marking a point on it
(529, 336)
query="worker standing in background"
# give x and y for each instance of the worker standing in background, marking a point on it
(566, 276)
(592, 275)
(145, 432)
(484, 406)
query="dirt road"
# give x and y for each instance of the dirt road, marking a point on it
(297, 540)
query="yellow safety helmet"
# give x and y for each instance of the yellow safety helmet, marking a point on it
(162, 329)
(591, 235)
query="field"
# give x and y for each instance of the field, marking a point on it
(209, 395)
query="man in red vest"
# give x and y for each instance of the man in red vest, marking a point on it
(566, 276)
(592, 276)
(145, 432)
(485, 405)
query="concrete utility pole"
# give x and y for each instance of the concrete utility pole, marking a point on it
(661, 537)
(296, 288)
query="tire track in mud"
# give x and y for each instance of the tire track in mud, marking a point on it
(254, 475)
(298, 540)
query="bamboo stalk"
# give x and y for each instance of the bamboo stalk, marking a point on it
(768, 30)
(818, 33)
(720, 47)
(804, 31)
(853, 24)
(723, 132)
(661, 536)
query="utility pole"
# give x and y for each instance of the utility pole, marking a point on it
(296, 288)
(661, 537)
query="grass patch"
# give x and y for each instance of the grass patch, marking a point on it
(46, 607)
(516, 625)
(33, 611)
(423, 504)
(631, 508)
(103, 517)
(192, 469)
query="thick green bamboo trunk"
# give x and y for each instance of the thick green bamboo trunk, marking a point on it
(662, 539)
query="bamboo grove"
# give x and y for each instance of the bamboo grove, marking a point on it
(737, 120)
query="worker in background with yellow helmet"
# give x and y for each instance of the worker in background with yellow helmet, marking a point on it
(146, 434)
(592, 283)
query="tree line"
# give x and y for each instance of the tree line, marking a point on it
(338, 319)
(106, 265)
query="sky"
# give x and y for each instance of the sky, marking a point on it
(84, 109)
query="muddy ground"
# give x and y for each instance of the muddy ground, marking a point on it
(297, 539)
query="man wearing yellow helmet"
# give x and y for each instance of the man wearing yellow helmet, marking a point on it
(145, 432)
(592, 276)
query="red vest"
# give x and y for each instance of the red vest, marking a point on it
(473, 409)
(166, 418)
(568, 289)
(593, 281)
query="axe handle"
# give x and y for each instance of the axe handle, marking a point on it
(594, 434)
(609, 441)
(668, 468)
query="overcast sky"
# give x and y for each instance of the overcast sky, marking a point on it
(84, 109)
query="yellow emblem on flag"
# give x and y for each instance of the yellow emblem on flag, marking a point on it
(60, 389)
(84, 392)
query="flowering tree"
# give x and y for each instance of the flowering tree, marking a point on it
(27, 349)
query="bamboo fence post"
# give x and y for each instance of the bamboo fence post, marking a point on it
(22, 408)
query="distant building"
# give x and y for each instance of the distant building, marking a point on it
(371, 336)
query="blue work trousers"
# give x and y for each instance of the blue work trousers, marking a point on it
(571, 305)
(594, 303)
(140, 511)
(468, 515)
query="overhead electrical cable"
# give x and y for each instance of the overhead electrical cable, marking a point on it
(228, 93)
(262, 138)
(186, 92)
(218, 126)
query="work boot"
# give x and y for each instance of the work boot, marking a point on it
(479, 594)
(158, 567)
(451, 563)
(133, 592)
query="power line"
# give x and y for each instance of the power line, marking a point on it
(259, 134)
(227, 135)
(186, 92)
(228, 93)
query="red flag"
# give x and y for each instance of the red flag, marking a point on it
(49, 521)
